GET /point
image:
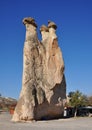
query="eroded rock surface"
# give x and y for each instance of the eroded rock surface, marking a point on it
(43, 85)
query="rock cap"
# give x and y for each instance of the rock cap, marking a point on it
(29, 20)
(44, 28)
(52, 24)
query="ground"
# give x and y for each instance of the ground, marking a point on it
(81, 123)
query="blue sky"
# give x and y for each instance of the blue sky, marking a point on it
(74, 21)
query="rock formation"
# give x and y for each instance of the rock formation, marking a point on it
(43, 84)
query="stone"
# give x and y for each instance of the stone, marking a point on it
(52, 24)
(44, 28)
(29, 20)
(43, 84)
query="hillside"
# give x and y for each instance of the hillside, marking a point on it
(7, 102)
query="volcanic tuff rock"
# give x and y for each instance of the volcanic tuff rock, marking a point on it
(43, 85)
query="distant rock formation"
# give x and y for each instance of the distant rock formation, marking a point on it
(43, 85)
(7, 102)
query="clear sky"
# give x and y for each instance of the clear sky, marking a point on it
(74, 21)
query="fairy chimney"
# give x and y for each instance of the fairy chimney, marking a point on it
(43, 83)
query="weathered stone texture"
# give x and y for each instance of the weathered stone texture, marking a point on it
(43, 85)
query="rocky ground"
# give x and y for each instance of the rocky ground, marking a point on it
(82, 123)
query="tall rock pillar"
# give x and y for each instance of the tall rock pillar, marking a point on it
(25, 108)
(43, 82)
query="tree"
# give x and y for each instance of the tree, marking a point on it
(77, 99)
(70, 94)
(90, 100)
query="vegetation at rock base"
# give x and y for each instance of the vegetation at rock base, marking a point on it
(90, 100)
(77, 99)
